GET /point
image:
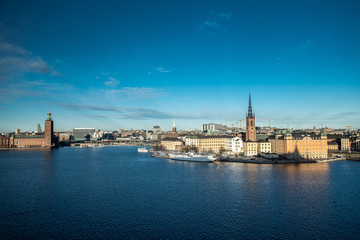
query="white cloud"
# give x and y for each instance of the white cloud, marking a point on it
(112, 82)
(162, 70)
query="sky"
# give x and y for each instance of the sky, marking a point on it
(135, 64)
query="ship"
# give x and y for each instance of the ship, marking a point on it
(192, 157)
(143, 150)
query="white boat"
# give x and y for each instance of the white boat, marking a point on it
(143, 150)
(191, 157)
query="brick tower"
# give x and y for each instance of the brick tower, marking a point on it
(250, 123)
(49, 130)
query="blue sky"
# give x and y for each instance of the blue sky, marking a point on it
(135, 64)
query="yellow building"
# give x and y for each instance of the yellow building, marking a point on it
(300, 145)
(171, 144)
(250, 148)
(213, 144)
(333, 146)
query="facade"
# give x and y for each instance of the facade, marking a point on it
(46, 140)
(345, 144)
(300, 145)
(4, 141)
(211, 127)
(234, 145)
(333, 146)
(264, 147)
(357, 145)
(192, 141)
(250, 148)
(214, 144)
(171, 144)
(82, 134)
(250, 123)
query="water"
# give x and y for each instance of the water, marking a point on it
(116, 192)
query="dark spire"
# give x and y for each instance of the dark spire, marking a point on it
(250, 112)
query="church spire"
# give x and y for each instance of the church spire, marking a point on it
(250, 112)
(174, 126)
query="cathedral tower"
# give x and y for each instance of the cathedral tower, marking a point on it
(250, 123)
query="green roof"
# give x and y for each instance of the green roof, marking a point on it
(29, 136)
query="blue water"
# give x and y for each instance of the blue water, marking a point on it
(116, 192)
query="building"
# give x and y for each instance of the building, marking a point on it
(211, 127)
(234, 145)
(46, 140)
(171, 144)
(38, 130)
(156, 129)
(263, 147)
(300, 145)
(213, 144)
(83, 134)
(345, 144)
(250, 123)
(4, 141)
(333, 146)
(250, 148)
(192, 141)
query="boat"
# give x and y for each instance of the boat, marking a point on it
(143, 150)
(191, 157)
(159, 154)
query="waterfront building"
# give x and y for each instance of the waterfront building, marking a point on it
(357, 144)
(263, 147)
(212, 143)
(300, 145)
(345, 144)
(250, 148)
(234, 145)
(83, 134)
(192, 141)
(333, 146)
(211, 127)
(250, 123)
(171, 144)
(46, 140)
(4, 141)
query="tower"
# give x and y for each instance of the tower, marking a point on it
(250, 123)
(174, 126)
(49, 130)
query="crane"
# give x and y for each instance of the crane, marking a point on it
(225, 119)
(240, 122)
(271, 119)
(237, 124)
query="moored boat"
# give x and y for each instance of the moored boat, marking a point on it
(143, 150)
(191, 157)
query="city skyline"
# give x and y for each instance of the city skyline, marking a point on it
(135, 64)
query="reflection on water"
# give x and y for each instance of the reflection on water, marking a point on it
(116, 192)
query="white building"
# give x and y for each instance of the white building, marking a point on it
(192, 141)
(234, 145)
(211, 127)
